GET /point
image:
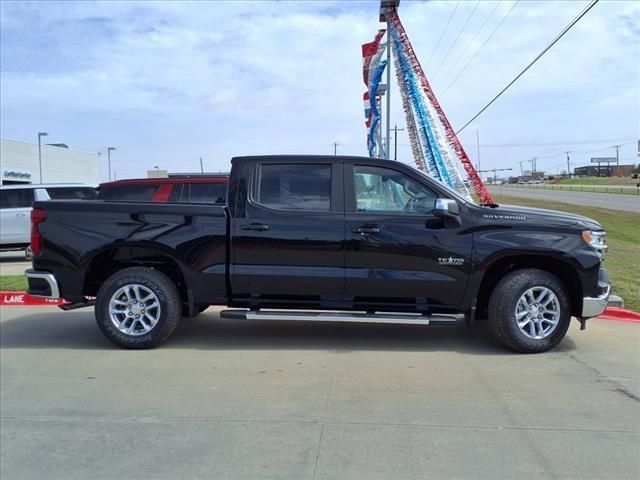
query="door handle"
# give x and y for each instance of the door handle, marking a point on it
(364, 230)
(258, 227)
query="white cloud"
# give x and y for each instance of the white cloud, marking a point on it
(168, 82)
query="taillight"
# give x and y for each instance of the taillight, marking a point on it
(37, 216)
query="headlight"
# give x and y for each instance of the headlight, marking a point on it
(597, 240)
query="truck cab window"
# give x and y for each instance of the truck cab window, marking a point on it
(294, 187)
(381, 190)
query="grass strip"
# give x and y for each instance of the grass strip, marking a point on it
(623, 237)
(13, 283)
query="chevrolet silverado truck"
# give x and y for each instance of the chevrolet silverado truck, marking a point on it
(322, 238)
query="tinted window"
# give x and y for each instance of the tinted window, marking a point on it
(130, 193)
(295, 187)
(207, 193)
(75, 193)
(176, 194)
(199, 193)
(16, 198)
(387, 191)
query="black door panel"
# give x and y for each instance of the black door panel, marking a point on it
(398, 252)
(289, 249)
(406, 262)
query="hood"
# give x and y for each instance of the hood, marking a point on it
(519, 213)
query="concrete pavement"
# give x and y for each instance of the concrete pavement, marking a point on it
(243, 400)
(626, 203)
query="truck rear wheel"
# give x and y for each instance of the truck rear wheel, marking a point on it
(138, 308)
(529, 311)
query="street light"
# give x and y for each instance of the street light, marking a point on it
(40, 135)
(109, 159)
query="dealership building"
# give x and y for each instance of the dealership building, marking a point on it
(20, 163)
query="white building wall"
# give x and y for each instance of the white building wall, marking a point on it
(59, 165)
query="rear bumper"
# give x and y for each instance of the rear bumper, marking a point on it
(42, 284)
(594, 306)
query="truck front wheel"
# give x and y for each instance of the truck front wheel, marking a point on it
(529, 311)
(138, 307)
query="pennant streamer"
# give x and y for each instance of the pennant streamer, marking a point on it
(435, 146)
(372, 70)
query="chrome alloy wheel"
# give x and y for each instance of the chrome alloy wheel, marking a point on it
(134, 309)
(538, 312)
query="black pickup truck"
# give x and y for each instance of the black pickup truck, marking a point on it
(322, 238)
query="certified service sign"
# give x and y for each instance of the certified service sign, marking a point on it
(15, 175)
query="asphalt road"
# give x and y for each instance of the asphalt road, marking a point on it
(244, 400)
(626, 203)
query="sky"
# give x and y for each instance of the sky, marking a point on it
(168, 83)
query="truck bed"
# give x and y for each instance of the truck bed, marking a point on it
(82, 239)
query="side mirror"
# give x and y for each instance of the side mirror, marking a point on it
(448, 210)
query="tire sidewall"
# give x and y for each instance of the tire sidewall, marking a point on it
(519, 284)
(160, 330)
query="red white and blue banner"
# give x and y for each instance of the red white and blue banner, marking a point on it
(435, 146)
(372, 70)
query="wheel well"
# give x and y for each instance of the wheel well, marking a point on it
(565, 273)
(107, 263)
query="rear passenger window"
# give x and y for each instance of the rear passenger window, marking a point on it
(176, 194)
(294, 186)
(208, 193)
(211, 193)
(129, 193)
(74, 193)
(16, 198)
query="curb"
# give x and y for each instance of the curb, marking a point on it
(17, 299)
(620, 315)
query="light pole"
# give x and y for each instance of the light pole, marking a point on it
(388, 132)
(40, 135)
(386, 8)
(109, 159)
(395, 141)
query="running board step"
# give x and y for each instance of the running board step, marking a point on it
(406, 319)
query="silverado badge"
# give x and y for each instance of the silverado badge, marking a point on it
(450, 261)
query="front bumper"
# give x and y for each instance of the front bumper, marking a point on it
(42, 284)
(594, 306)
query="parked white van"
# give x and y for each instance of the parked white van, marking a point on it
(15, 208)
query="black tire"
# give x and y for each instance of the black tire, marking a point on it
(502, 310)
(164, 289)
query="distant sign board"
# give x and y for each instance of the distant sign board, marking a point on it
(16, 175)
(603, 159)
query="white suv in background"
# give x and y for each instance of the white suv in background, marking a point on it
(15, 208)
